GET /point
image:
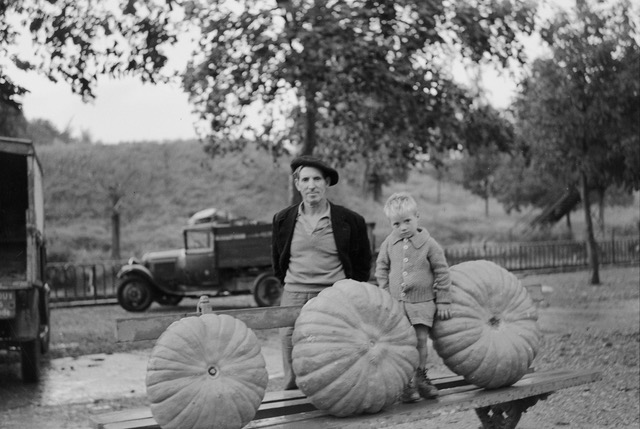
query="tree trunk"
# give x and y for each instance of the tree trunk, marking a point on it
(310, 139)
(364, 185)
(568, 218)
(116, 200)
(601, 211)
(376, 187)
(486, 198)
(115, 234)
(592, 247)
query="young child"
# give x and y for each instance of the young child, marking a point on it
(411, 265)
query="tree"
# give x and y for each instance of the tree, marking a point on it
(352, 79)
(486, 135)
(12, 121)
(371, 68)
(43, 131)
(75, 41)
(579, 109)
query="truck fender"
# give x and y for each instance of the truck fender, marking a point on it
(140, 271)
(136, 269)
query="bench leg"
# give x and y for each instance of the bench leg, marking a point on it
(506, 415)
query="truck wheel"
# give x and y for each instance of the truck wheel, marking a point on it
(30, 361)
(268, 291)
(135, 294)
(168, 299)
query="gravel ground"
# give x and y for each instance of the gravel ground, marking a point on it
(593, 327)
(584, 326)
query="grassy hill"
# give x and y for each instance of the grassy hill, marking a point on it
(163, 184)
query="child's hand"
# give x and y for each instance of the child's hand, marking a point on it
(443, 311)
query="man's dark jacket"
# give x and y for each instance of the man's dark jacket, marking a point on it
(349, 231)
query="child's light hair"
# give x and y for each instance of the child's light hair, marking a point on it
(400, 203)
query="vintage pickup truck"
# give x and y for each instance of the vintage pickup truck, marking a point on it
(216, 260)
(24, 296)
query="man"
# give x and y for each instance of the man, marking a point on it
(315, 244)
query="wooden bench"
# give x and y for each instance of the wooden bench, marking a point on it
(497, 408)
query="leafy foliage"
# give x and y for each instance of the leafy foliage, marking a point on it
(358, 80)
(487, 136)
(579, 108)
(12, 121)
(521, 183)
(42, 132)
(76, 41)
(355, 80)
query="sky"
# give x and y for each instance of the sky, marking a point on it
(127, 110)
(123, 110)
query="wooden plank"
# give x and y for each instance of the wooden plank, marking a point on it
(99, 421)
(142, 418)
(149, 423)
(150, 327)
(279, 404)
(530, 385)
(291, 406)
(274, 403)
(282, 395)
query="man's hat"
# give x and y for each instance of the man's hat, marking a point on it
(312, 161)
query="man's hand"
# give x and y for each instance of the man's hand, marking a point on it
(443, 311)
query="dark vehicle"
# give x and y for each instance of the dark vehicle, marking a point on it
(24, 297)
(216, 260)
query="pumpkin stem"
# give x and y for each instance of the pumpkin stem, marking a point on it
(494, 322)
(213, 371)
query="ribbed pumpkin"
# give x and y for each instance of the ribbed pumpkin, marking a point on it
(493, 335)
(353, 349)
(206, 372)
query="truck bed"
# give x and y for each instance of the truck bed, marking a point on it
(243, 246)
(14, 204)
(13, 262)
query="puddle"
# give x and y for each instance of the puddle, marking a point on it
(91, 378)
(94, 377)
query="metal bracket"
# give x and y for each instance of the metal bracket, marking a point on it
(507, 414)
(204, 306)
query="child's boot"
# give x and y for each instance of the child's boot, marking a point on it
(426, 389)
(410, 393)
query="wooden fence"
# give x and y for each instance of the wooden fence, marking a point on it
(87, 282)
(95, 283)
(546, 255)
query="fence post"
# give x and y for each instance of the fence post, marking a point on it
(613, 246)
(93, 282)
(520, 256)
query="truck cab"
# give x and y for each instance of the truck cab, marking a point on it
(216, 260)
(24, 296)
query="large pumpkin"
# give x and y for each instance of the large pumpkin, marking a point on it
(353, 349)
(206, 372)
(493, 335)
